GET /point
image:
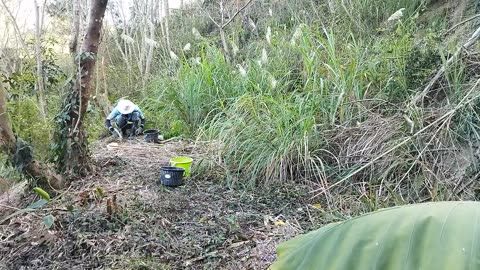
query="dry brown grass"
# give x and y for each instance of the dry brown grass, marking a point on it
(359, 144)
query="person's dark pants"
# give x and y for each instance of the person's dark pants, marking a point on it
(128, 122)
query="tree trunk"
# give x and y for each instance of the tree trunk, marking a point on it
(73, 155)
(38, 53)
(162, 27)
(153, 14)
(165, 18)
(123, 50)
(107, 107)
(77, 11)
(222, 32)
(151, 47)
(44, 175)
(17, 29)
(101, 97)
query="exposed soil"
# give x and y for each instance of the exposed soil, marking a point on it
(459, 12)
(455, 10)
(139, 224)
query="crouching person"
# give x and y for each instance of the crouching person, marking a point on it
(128, 118)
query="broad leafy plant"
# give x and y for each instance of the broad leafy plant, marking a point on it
(440, 236)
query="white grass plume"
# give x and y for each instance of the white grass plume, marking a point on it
(273, 82)
(241, 70)
(127, 39)
(298, 33)
(197, 60)
(264, 56)
(332, 6)
(269, 35)
(151, 42)
(235, 49)
(173, 56)
(196, 34)
(397, 15)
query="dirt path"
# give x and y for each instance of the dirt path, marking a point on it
(201, 225)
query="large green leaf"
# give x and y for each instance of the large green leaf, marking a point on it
(436, 236)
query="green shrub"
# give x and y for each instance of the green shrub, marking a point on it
(27, 123)
(266, 138)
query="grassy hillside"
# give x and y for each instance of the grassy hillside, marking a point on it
(319, 92)
(304, 113)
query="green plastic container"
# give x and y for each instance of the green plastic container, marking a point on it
(182, 162)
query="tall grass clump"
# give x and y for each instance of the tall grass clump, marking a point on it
(196, 93)
(316, 99)
(275, 133)
(342, 85)
(363, 17)
(266, 138)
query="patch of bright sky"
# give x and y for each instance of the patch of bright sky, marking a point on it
(24, 13)
(24, 10)
(126, 4)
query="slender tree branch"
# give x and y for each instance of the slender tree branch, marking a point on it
(15, 25)
(460, 23)
(475, 36)
(467, 99)
(75, 27)
(38, 55)
(167, 28)
(236, 13)
(210, 17)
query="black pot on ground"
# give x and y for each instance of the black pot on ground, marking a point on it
(151, 135)
(171, 176)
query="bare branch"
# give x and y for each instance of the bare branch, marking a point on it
(15, 25)
(236, 13)
(167, 28)
(210, 17)
(38, 53)
(460, 23)
(475, 36)
(77, 10)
